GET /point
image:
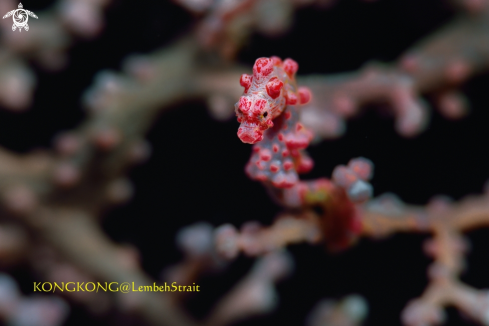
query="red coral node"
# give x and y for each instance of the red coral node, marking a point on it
(249, 136)
(261, 177)
(282, 180)
(245, 81)
(259, 106)
(263, 67)
(295, 141)
(259, 165)
(362, 167)
(305, 164)
(304, 95)
(274, 167)
(344, 176)
(274, 87)
(288, 165)
(291, 98)
(244, 104)
(265, 155)
(276, 60)
(290, 66)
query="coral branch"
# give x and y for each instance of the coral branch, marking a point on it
(446, 221)
(16, 309)
(255, 294)
(255, 240)
(59, 195)
(80, 241)
(387, 214)
(436, 66)
(349, 311)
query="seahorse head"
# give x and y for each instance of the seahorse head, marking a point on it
(266, 94)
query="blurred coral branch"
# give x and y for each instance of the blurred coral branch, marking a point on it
(59, 195)
(438, 65)
(46, 43)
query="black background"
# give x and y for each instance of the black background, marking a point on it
(196, 169)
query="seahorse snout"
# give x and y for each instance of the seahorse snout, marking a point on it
(249, 134)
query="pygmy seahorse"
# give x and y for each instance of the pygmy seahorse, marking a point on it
(268, 113)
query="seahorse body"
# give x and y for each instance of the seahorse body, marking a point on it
(268, 113)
